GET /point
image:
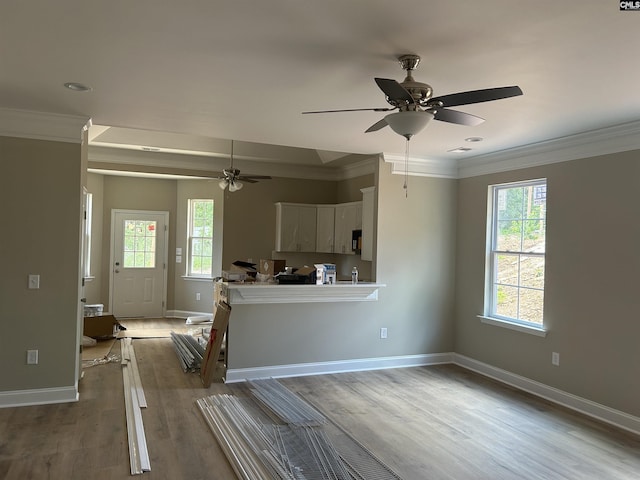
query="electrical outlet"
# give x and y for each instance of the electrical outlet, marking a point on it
(555, 359)
(32, 357)
(198, 296)
(383, 332)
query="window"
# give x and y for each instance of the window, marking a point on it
(200, 238)
(86, 238)
(516, 245)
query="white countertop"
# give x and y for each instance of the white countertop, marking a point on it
(256, 293)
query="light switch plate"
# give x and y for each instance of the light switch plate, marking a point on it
(34, 281)
(32, 357)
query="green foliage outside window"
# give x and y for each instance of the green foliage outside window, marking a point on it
(200, 237)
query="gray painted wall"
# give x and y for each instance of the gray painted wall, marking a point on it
(592, 301)
(416, 259)
(40, 193)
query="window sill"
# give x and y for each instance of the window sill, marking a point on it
(198, 279)
(537, 331)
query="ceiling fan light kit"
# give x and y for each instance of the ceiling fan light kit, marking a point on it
(409, 122)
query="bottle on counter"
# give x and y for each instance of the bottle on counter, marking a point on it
(354, 275)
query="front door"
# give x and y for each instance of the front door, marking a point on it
(138, 273)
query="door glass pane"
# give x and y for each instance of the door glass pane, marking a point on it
(139, 244)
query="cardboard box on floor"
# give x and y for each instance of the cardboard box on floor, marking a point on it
(100, 326)
(210, 368)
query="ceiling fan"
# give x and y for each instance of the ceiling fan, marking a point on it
(416, 105)
(231, 177)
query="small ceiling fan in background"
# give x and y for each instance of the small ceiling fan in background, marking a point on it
(231, 177)
(416, 105)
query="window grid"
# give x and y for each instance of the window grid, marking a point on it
(139, 244)
(200, 244)
(517, 269)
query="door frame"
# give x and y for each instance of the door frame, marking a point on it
(165, 259)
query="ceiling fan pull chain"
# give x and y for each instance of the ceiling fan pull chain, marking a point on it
(406, 169)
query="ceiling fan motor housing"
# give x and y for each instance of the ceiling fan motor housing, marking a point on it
(421, 92)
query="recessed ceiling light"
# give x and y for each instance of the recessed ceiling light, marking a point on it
(459, 150)
(473, 139)
(77, 87)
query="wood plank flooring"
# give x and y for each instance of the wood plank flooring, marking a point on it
(440, 422)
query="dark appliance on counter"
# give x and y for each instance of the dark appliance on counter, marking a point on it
(299, 276)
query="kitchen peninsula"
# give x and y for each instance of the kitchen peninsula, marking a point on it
(287, 330)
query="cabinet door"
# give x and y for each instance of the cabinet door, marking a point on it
(286, 228)
(325, 215)
(307, 228)
(358, 219)
(367, 223)
(345, 223)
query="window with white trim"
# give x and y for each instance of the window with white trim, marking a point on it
(86, 237)
(200, 238)
(516, 252)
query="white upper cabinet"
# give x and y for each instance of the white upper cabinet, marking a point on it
(368, 212)
(295, 227)
(304, 227)
(348, 217)
(325, 215)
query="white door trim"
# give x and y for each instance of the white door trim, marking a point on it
(165, 260)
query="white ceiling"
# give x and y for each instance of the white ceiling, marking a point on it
(209, 70)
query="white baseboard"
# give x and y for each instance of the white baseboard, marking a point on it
(40, 396)
(186, 314)
(341, 366)
(587, 407)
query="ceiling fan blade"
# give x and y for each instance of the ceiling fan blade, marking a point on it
(477, 96)
(394, 90)
(377, 126)
(454, 116)
(254, 177)
(353, 110)
(246, 180)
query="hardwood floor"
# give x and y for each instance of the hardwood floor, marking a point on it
(439, 422)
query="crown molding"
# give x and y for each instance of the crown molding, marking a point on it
(116, 159)
(421, 167)
(42, 126)
(604, 141)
